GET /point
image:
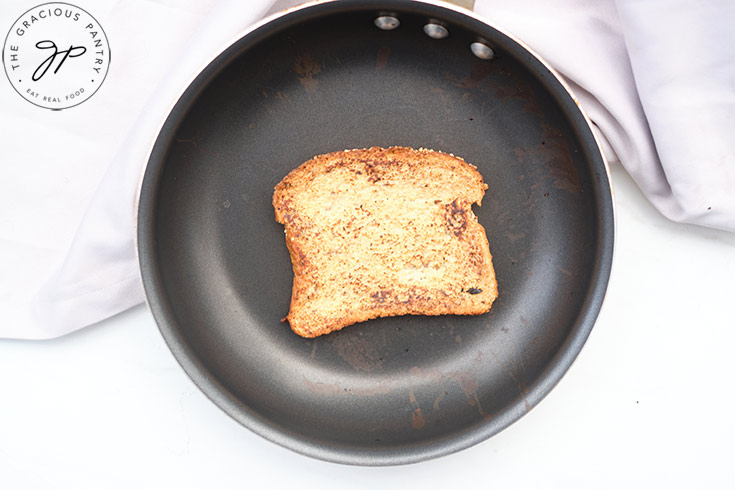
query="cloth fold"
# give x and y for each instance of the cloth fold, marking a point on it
(657, 79)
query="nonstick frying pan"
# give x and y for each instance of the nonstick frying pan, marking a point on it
(344, 74)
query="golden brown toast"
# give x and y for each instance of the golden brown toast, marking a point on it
(383, 232)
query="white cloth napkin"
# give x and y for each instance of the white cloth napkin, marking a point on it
(657, 78)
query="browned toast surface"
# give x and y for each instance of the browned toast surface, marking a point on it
(383, 232)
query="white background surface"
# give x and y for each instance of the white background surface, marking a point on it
(648, 403)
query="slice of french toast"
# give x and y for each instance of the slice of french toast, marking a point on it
(383, 232)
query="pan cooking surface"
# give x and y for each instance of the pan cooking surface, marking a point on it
(325, 78)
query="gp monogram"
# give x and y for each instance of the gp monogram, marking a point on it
(56, 55)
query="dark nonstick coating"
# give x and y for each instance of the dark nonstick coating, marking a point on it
(324, 78)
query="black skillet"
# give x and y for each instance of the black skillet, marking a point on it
(323, 78)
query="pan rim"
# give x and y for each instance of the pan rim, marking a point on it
(269, 430)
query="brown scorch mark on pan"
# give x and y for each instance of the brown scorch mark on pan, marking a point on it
(417, 419)
(554, 154)
(514, 237)
(306, 67)
(564, 271)
(363, 354)
(468, 382)
(519, 90)
(522, 387)
(320, 388)
(478, 73)
(466, 379)
(382, 60)
(439, 398)
(554, 150)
